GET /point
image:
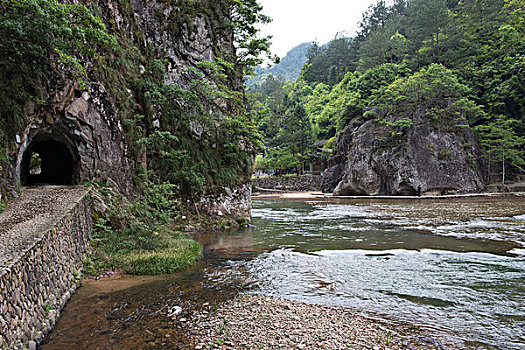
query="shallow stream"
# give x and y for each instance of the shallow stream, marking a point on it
(454, 267)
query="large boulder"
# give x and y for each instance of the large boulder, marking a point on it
(437, 157)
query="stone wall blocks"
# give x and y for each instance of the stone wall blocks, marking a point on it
(289, 183)
(39, 284)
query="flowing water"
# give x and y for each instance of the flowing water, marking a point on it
(454, 267)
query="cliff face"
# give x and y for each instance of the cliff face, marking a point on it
(84, 123)
(439, 157)
(184, 32)
(86, 132)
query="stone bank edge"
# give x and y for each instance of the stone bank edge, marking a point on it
(35, 288)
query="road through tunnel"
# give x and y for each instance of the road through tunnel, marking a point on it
(48, 160)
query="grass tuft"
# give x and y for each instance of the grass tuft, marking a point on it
(169, 260)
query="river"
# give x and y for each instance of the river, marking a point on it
(453, 267)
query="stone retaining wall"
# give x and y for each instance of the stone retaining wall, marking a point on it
(299, 183)
(234, 202)
(40, 261)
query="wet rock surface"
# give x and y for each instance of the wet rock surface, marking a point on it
(261, 322)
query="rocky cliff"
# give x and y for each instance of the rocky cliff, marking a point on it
(373, 158)
(103, 131)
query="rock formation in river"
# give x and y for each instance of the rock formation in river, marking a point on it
(440, 161)
(394, 150)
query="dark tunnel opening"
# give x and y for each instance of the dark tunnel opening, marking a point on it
(48, 162)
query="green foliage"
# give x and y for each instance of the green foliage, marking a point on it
(331, 109)
(197, 150)
(493, 38)
(399, 126)
(38, 38)
(430, 91)
(141, 237)
(502, 141)
(375, 17)
(244, 15)
(378, 77)
(329, 64)
(380, 40)
(278, 159)
(444, 153)
(426, 21)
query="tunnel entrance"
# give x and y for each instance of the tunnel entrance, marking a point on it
(48, 161)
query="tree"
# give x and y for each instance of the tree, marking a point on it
(295, 135)
(502, 142)
(380, 35)
(342, 53)
(244, 15)
(489, 54)
(425, 23)
(374, 18)
(329, 64)
(398, 47)
(374, 51)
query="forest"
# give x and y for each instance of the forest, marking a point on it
(406, 55)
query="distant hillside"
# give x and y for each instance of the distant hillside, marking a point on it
(289, 67)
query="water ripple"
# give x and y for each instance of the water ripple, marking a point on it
(457, 266)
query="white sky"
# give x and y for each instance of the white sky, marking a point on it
(300, 21)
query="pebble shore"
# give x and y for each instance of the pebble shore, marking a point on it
(261, 322)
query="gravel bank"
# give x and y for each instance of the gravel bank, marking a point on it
(260, 322)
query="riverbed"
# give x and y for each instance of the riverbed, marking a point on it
(452, 267)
